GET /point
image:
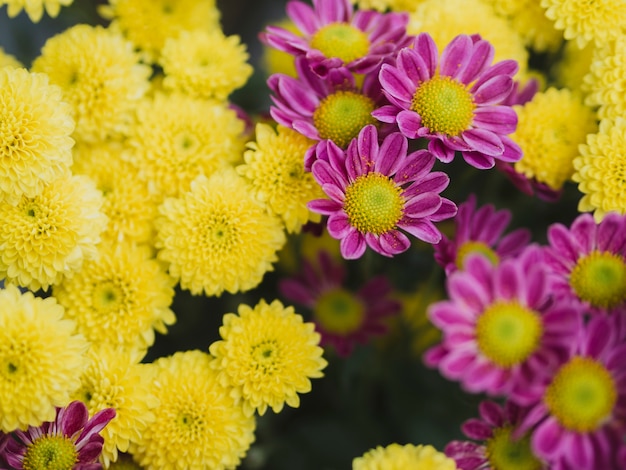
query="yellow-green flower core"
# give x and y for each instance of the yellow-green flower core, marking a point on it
(50, 453)
(339, 311)
(108, 297)
(470, 247)
(374, 203)
(600, 279)
(340, 116)
(508, 333)
(341, 40)
(582, 395)
(445, 105)
(506, 453)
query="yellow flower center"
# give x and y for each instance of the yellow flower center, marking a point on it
(374, 203)
(107, 297)
(582, 395)
(50, 453)
(341, 40)
(445, 105)
(600, 279)
(266, 357)
(506, 453)
(340, 116)
(471, 247)
(340, 312)
(508, 333)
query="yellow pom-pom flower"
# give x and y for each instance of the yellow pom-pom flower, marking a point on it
(218, 237)
(120, 298)
(274, 164)
(406, 457)
(267, 356)
(35, 142)
(101, 78)
(197, 424)
(549, 130)
(570, 71)
(41, 359)
(606, 80)
(34, 8)
(205, 64)
(48, 237)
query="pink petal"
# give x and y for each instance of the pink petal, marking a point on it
(338, 225)
(303, 16)
(484, 141)
(494, 90)
(396, 84)
(477, 429)
(324, 206)
(353, 245)
(498, 119)
(413, 66)
(409, 122)
(547, 439)
(394, 242)
(392, 153)
(482, 56)
(426, 47)
(422, 229)
(455, 56)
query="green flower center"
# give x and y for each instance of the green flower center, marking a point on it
(341, 40)
(600, 279)
(340, 116)
(108, 297)
(506, 453)
(471, 247)
(50, 453)
(581, 395)
(508, 333)
(374, 203)
(445, 105)
(340, 312)
(265, 357)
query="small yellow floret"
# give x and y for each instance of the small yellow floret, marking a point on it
(606, 80)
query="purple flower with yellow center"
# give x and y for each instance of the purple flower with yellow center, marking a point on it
(496, 446)
(375, 190)
(342, 316)
(480, 230)
(456, 101)
(579, 419)
(70, 442)
(332, 35)
(501, 329)
(334, 108)
(588, 261)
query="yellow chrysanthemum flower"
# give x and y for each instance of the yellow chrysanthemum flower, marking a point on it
(267, 356)
(601, 170)
(274, 165)
(8, 60)
(218, 237)
(114, 378)
(406, 457)
(101, 78)
(549, 130)
(34, 8)
(205, 64)
(585, 21)
(606, 80)
(120, 298)
(35, 142)
(47, 237)
(445, 19)
(127, 201)
(178, 137)
(148, 23)
(42, 359)
(573, 66)
(198, 424)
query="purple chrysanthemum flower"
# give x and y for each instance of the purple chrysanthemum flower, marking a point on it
(588, 261)
(72, 441)
(334, 36)
(377, 189)
(496, 446)
(501, 330)
(343, 318)
(580, 418)
(455, 101)
(479, 231)
(334, 108)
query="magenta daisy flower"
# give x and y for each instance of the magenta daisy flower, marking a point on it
(332, 35)
(70, 442)
(334, 108)
(377, 189)
(501, 331)
(343, 317)
(496, 447)
(456, 101)
(588, 261)
(580, 418)
(480, 231)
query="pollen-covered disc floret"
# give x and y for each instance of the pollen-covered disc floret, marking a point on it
(456, 100)
(376, 190)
